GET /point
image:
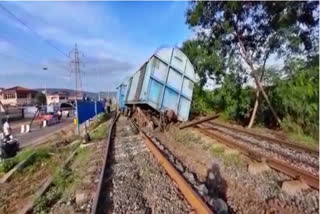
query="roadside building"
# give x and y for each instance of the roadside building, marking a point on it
(58, 97)
(17, 96)
(73, 96)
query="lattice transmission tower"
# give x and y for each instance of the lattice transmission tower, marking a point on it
(75, 64)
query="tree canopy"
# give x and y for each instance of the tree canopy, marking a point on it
(40, 98)
(252, 30)
(239, 37)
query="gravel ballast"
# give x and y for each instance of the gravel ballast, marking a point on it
(136, 182)
(244, 193)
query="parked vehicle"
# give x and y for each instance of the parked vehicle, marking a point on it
(50, 118)
(67, 109)
(164, 82)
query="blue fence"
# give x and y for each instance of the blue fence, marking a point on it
(87, 109)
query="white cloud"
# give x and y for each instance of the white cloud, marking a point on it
(4, 45)
(97, 32)
(67, 23)
(68, 15)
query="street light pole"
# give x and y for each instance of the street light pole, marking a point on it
(45, 68)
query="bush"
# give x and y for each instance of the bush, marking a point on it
(231, 100)
(297, 98)
(293, 95)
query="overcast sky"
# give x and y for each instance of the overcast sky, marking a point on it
(114, 37)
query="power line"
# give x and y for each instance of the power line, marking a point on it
(22, 60)
(13, 42)
(30, 52)
(35, 32)
(18, 59)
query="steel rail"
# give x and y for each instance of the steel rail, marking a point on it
(278, 165)
(313, 152)
(191, 196)
(95, 203)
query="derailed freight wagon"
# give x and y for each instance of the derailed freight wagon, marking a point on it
(164, 82)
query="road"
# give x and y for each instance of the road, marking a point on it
(28, 139)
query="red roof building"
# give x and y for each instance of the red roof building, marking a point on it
(17, 96)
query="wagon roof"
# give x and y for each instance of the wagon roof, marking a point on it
(158, 52)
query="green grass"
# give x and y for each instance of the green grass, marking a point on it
(62, 181)
(303, 139)
(39, 155)
(9, 163)
(228, 159)
(99, 132)
(102, 117)
(216, 149)
(82, 158)
(233, 160)
(185, 136)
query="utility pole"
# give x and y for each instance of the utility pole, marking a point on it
(44, 69)
(99, 98)
(75, 68)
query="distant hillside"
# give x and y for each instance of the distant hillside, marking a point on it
(106, 94)
(92, 95)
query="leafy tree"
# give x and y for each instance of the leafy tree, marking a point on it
(244, 35)
(297, 96)
(206, 62)
(40, 98)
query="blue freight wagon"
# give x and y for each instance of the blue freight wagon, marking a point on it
(164, 82)
(121, 94)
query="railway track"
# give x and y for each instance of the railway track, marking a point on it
(269, 139)
(296, 164)
(137, 178)
(297, 158)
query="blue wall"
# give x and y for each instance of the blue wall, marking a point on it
(88, 109)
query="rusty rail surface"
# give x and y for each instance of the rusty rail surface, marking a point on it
(95, 202)
(278, 165)
(202, 120)
(191, 196)
(295, 146)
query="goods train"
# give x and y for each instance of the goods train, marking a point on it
(164, 82)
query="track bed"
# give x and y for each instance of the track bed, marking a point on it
(134, 182)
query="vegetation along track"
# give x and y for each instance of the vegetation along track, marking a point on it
(295, 165)
(135, 177)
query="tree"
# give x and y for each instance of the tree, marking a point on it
(40, 98)
(245, 34)
(206, 62)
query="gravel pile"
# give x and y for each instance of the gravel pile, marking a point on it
(136, 182)
(296, 158)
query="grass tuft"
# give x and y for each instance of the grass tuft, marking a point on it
(216, 149)
(40, 155)
(100, 132)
